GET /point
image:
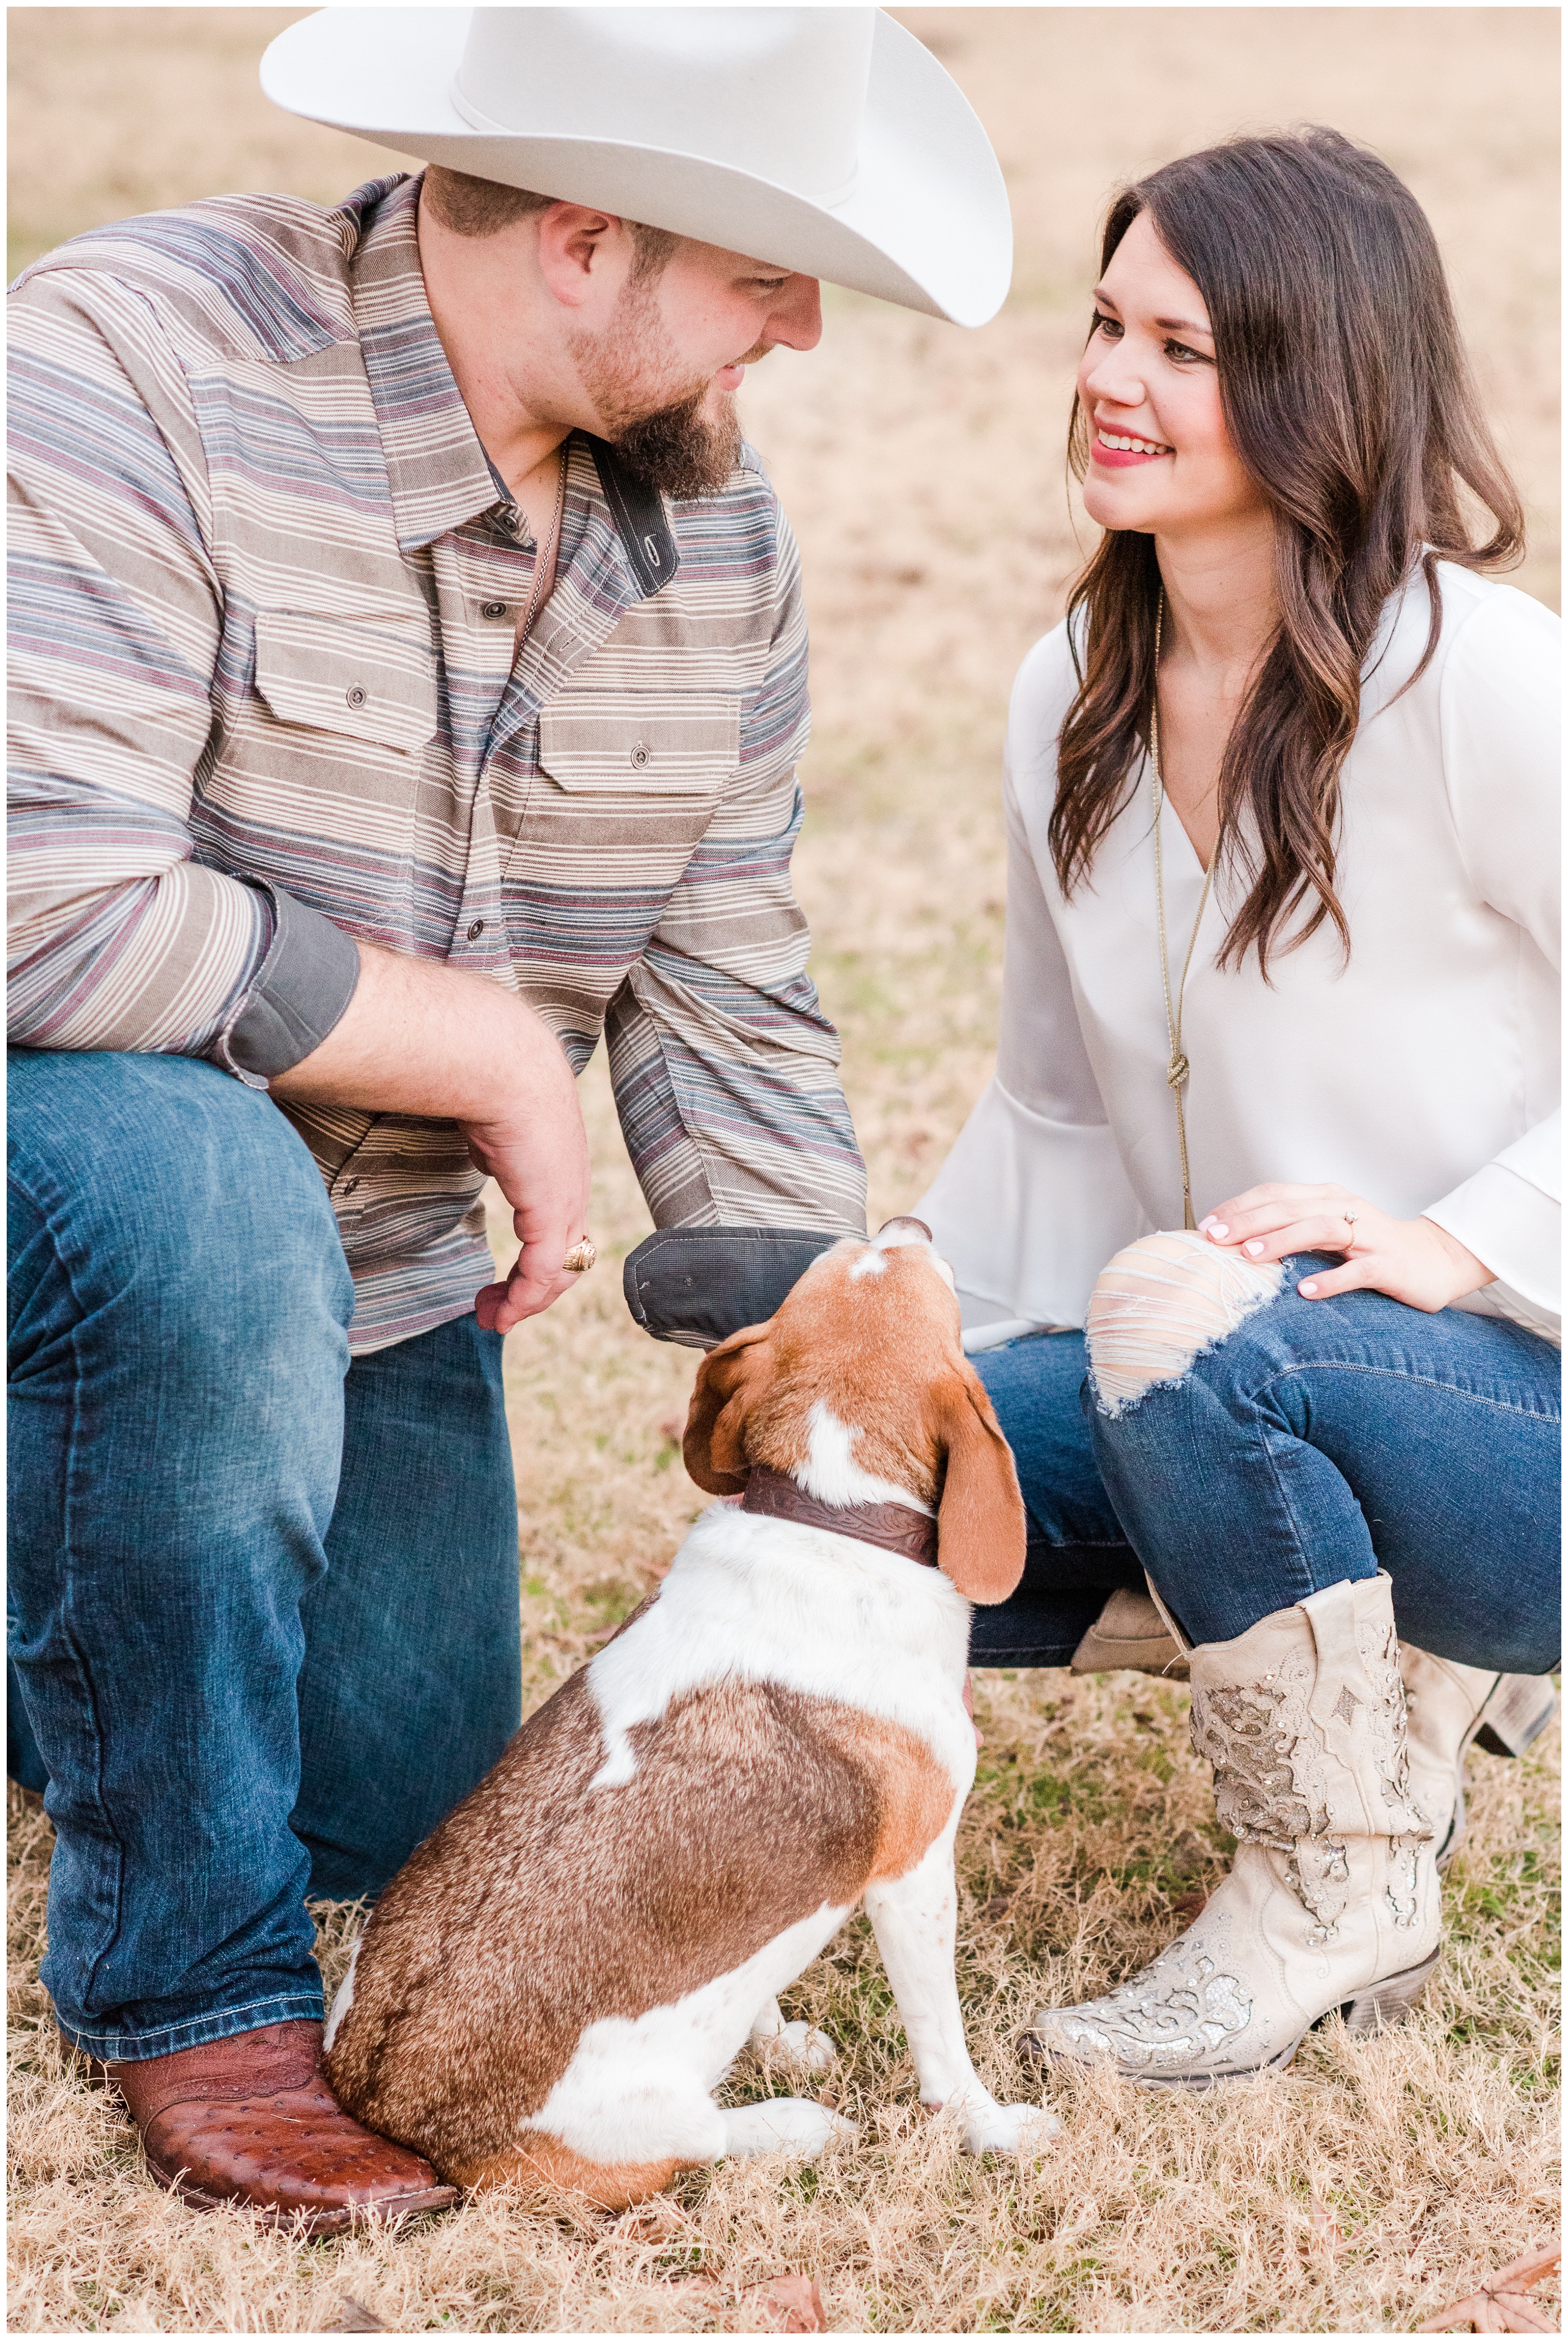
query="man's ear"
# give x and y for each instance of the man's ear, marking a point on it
(981, 1529)
(729, 1381)
(578, 249)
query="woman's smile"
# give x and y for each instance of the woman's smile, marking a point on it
(1115, 449)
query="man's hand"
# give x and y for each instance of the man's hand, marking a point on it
(1413, 1260)
(524, 1150)
(422, 1037)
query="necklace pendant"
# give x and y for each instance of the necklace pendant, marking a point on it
(1176, 1073)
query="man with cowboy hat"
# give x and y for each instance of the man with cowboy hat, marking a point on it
(409, 677)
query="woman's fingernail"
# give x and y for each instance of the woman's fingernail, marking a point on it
(1204, 1225)
(1309, 1290)
(1253, 1249)
(1218, 1228)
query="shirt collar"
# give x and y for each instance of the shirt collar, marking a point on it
(439, 473)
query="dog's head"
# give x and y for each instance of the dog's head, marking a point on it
(860, 1389)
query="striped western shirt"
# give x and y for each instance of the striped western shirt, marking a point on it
(266, 697)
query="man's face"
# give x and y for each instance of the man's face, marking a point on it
(664, 372)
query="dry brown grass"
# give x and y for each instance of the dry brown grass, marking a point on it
(1432, 2149)
(922, 468)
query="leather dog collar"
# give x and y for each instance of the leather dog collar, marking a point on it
(895, 1527)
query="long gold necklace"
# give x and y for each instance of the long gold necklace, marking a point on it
(1177, 1068)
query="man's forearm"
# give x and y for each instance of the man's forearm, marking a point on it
(422, 1037)
(419, 1036)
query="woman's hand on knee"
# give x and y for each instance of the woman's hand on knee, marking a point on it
(1413, 1260)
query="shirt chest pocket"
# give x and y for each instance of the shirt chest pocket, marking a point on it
(624, 774)
(330, 744)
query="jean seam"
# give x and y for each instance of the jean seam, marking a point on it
(111, 1933)
(1029, 1659)
(1419, 1381)
(1082, 1543)
(194, 2022)
(1304, 1563)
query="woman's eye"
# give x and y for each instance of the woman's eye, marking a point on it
(1110, 326)
(1179, 355)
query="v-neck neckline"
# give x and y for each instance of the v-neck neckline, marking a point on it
(1198, 871)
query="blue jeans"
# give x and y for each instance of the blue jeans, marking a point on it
(1319, 1441)
(263, 1605)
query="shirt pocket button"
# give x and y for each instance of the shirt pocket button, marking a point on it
(492, 609)
(356, 696)
(475, 931)
(639, 756)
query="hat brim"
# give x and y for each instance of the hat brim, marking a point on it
(926, 224)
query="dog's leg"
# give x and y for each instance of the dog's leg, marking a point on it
(796, 2043)
(915, 1917)
(790, 2125)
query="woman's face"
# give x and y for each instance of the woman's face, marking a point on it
(1147, 377)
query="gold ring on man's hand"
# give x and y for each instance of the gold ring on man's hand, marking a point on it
(580, 1258)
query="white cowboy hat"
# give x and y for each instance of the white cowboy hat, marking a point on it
(828, 141)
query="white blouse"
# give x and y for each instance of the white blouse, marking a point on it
(1423, 1073)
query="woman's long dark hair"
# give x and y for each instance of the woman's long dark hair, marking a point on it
(1347, 394)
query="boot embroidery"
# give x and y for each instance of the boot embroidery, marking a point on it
(1386, 1739)
(1404, 1898)
(1303, 1722)
(1318, 1870)
(1270, 1783)
(1172, 2014)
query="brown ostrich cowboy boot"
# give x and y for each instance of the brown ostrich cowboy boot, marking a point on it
(250, 2120)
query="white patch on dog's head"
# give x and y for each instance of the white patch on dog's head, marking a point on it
(831, 1473)
(870, 1262)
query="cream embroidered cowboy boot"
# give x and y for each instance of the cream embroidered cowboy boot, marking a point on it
(1332, 1898)
(1451, 1707)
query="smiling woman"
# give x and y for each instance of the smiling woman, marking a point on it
(1329, 448)
(1282, 930)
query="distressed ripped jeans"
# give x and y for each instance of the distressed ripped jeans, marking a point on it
(1250, 1448)
(262, 1601)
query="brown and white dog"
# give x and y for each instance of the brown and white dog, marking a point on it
(561, 1975)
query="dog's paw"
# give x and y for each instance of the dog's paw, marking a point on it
(790, 2125)
(1023, 2130)
(803, 2045)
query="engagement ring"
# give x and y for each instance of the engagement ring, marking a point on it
(580, 1258)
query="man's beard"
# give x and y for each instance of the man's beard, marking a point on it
(674, 446)
(679, 448)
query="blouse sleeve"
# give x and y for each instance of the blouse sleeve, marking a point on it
(1033, 1200)
(1499, 712)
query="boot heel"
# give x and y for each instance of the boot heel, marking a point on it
(1390, 2001)
(1517, 1712)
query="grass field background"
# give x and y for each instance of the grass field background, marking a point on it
(922, 468)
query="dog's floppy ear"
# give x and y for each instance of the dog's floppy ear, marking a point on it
(981, 1529)
(729, 1381)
